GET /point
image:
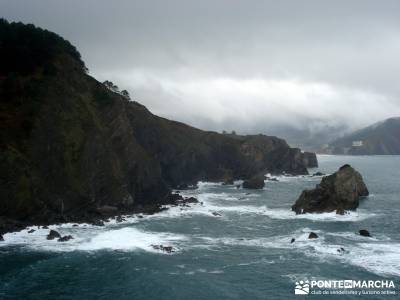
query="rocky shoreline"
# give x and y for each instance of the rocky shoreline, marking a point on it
(74, 149)
(96, 217)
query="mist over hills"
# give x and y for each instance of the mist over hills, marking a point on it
(381, 138)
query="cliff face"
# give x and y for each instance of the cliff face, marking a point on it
(69, 145)
(382, 138)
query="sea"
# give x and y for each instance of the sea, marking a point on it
(234, 244)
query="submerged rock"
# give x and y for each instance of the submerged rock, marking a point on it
(364, 232)
(340, 211)
(53, 235)
(31, 231)
(312, 235)
(168, 249)
(228, 180)
(119, 219)
(216, 214)
(337, 192)
(65, 238)
(256, 182)
(185, 186)
(318, 174)
(292, 240)
(271, 179)
(98, 223)
(191, 200)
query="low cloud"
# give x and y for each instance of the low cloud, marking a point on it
(255, 105)
(249, 66)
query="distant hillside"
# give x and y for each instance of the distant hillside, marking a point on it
(382, 138)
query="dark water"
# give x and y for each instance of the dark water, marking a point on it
(243, 254)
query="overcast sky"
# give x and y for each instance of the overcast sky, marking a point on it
(249, 66)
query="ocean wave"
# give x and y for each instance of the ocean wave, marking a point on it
(280, 241)
(92, 238)
(288, 179)
(131, 239)
(350, 216)
(217, 202)
(378, 258)
(355, 236)
(381, 258)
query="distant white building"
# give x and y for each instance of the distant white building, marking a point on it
(357, 143)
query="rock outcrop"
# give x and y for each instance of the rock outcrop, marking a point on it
(337, 192)
(312, 235)
(168, 249)
(73, 150)
(256, 182)
(310, 159)
(364, 232)
(65, 238)
(318, 174)
(53, 235)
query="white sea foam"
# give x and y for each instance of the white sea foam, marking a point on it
(377, 256)
(286, 178)
(217, 202)
(354, 236)
(280, 242)
(131, 239)
(351, 216)
(211, 201)
(91, 238)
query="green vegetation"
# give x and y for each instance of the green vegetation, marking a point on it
(26, 48)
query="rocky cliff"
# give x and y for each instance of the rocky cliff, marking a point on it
(70, 146)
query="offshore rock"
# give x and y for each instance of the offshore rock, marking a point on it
(256, 182)
(318, 174)
(364, 232)
(53, 235)
(337, 192)
(65, 238)
(168, 249)
(312, 235)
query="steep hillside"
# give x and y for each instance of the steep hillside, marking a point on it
(70, 146)
(382, 138)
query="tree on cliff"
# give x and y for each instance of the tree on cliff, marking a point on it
(125, 94)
